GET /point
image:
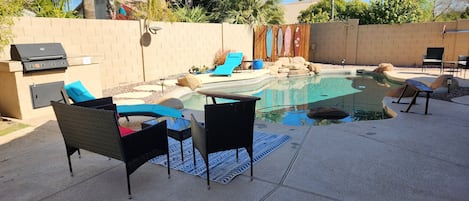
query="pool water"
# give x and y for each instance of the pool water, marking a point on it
(288, 100)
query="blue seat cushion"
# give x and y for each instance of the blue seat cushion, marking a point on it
(77, 92)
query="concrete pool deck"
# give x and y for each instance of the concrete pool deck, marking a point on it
(409, 157)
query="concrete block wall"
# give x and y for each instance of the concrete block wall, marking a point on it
(327, 42)
(179, 46)
(115, 45)
(238, 38)
(400, 44)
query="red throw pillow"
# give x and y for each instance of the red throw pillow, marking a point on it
(125, 131)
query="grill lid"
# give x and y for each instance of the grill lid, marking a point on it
(39, 56)
(37, 51)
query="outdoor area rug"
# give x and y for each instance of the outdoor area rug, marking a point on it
(223, 165)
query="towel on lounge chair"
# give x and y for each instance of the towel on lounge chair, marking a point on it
(78, 93)
(233, 60)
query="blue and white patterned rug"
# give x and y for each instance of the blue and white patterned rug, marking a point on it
(223, 165)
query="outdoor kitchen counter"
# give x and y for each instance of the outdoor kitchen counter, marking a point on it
(16, 87)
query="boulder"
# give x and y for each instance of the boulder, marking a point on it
(383, 67)
(283, 70)
(442, 81)
(397, 92)
(298, 72)
(298, 60)
(293, 66)
(190, 81)
(326, 113)
(316, 68)
(283, 60)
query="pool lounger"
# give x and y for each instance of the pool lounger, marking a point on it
(78, 93)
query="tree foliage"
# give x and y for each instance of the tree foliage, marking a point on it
(251, 12)
(444, 10)
(321, 12)
(355, 9)
(377, 12)
(195, 14)
(49, 8)
(8, 9)
(155, 10)
(394, 11)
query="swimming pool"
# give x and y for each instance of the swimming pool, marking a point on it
(288, 100)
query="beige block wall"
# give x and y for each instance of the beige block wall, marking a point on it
(400, 44)
(116, 44)
(328, 41)
(179, 46)
(239, 38)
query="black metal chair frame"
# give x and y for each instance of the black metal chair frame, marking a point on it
(97, 131)
(461, 59)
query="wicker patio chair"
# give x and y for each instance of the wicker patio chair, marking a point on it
(227, 126)
(97, 131)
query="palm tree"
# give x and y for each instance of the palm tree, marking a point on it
(89, 9)
(253, 12)
(195, 14)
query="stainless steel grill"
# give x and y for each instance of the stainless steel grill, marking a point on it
(39, 56)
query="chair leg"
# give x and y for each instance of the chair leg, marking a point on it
(250, 153)
(182, 151)
(167, 159)
(251, 169)
(128, 186)
(70, 165)
(237, 155)
(193, 154)
(208, 174)
(79, 153)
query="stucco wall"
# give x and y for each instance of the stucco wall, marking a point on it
(115, 44)
(402, 45)
(174, 49)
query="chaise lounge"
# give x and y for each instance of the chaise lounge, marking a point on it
(233, 60)
(79, 94)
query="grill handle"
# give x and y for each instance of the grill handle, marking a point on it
(46, 58)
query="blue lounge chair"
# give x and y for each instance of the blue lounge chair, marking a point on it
(233, 60)
(79, 94)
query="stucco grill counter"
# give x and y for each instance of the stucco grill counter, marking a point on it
(35, 75)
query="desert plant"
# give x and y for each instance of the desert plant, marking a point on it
(197, 70)
(220, 57)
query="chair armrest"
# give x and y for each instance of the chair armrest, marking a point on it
(145, 141)
(98, 103)
(199, 135)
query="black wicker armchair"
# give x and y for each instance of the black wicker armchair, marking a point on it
(433, 57)
(227, 126)
(97, 131)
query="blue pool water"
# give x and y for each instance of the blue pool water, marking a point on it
(287, 101)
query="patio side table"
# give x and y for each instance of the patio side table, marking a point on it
(178, 129)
